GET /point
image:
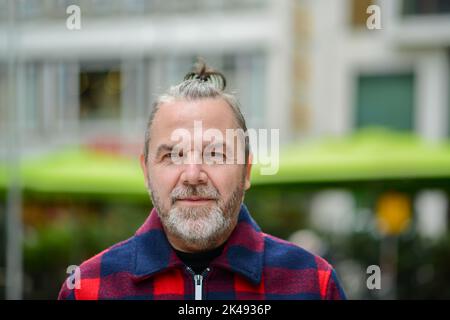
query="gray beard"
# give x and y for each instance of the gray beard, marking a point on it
(201, 227)
(198, 226)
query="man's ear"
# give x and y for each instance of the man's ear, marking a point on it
(248, 170)
(144, 168)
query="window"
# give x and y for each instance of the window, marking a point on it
(422, 7)
(100, 95)
(385, 100)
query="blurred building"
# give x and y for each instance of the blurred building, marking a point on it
(312, 68)
(396, 76)
(99, 82)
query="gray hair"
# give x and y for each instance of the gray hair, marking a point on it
(197, 88)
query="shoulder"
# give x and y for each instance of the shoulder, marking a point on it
(289, 255)
(84, 283)
(297, 272)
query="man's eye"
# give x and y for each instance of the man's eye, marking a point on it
(167, 156)
(173, 154)
(214, 157)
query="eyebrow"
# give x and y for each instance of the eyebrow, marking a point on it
(163, 147)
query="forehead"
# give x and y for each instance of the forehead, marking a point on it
(182, 114)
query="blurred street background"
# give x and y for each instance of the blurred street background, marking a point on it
(362, 106)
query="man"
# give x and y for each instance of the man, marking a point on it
(199, 241)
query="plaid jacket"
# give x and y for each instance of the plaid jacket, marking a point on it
(253, 265)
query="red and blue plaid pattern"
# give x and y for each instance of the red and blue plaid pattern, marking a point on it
(253, 265)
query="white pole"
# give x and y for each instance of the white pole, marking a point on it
(14, 194)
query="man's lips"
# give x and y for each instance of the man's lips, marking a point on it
(195, 200)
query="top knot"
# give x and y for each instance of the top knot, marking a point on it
(206, 74)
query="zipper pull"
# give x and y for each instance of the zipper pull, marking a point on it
(198, 280)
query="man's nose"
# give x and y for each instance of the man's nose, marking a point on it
(193, 172)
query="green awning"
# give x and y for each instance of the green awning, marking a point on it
(371, 154)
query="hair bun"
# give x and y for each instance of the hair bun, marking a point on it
(204, 73)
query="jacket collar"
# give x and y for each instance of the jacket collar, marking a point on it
(243, 251)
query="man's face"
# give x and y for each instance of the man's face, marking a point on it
(198, 200)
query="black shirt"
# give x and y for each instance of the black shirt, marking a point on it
(199, 261)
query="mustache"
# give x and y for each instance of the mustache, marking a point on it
(194, 191)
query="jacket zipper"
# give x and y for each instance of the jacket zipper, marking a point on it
(198, 282)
